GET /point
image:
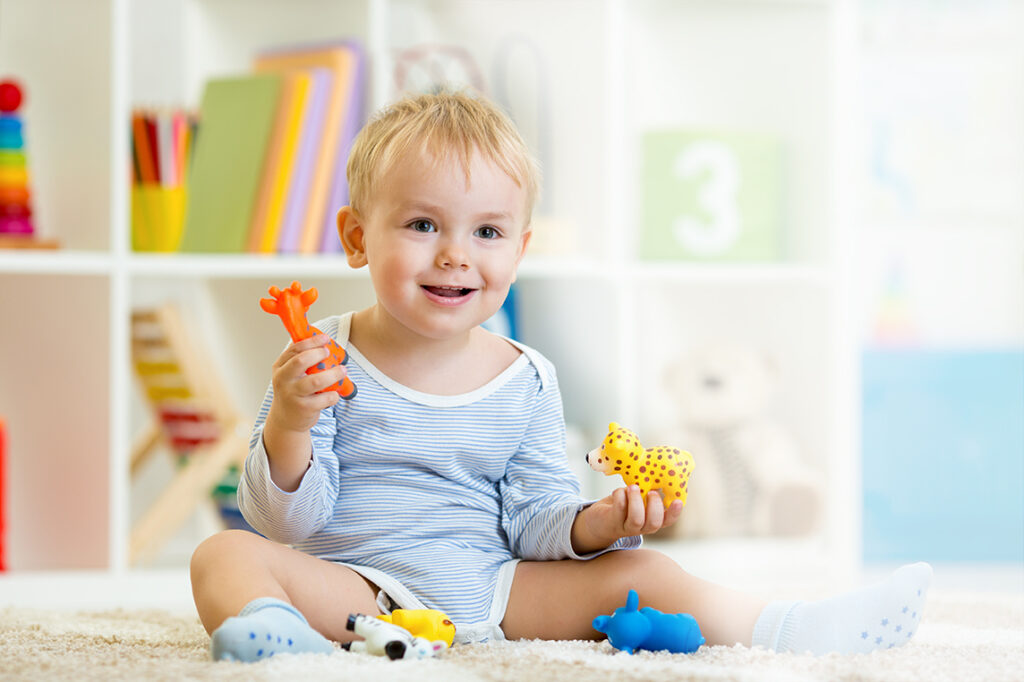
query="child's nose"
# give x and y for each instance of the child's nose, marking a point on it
(452, 255)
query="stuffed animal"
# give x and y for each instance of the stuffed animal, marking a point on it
(752, 479)
(381, 638)
(661, 468)
(630, 628)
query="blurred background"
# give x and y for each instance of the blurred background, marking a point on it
(786, 235)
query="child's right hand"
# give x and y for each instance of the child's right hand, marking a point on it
(297, 402)
(296, 407)
(622, 513)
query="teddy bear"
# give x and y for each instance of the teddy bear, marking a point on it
(752, 479)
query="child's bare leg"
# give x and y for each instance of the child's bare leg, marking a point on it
(559, 599)
(237, 570)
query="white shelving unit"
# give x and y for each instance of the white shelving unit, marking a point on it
(584, 79)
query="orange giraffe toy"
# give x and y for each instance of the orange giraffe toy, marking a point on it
(291, 305)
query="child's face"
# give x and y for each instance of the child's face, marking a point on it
(442, 251)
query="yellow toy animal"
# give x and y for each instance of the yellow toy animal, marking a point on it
(661, 468)
(426, 623)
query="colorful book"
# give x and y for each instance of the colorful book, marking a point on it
(305, 162)
(353, 121)
(340, 59)
(236, 119)
(286, 168)
(277, 169)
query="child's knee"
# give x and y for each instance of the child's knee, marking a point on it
(643, 570)
(223, 545)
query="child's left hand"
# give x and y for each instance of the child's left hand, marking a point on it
(619, 515)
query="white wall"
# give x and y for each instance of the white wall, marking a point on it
(941, 218)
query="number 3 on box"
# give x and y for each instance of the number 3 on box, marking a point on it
(717, 165)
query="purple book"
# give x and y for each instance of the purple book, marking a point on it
(305, 162)
(353, 121)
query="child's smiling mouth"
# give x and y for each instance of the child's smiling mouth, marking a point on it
(447, 295)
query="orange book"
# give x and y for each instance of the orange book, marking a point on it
(341, 60)
(282, 187)
(261, 210)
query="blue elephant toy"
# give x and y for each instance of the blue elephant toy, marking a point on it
(631, 628)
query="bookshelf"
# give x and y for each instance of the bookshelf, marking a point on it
(585, 79)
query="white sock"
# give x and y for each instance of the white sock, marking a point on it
(879, 616)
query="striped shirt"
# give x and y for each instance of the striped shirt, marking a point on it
(436, 491)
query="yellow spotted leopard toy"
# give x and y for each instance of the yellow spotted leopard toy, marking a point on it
(662, 468)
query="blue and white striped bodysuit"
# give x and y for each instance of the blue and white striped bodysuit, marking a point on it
(432, 498)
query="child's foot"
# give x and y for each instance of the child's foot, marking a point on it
(879, 616)
(265, 627)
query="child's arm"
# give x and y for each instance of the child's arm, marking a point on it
(295, 409)
(619, 515)
(290, 513)
(540, 496)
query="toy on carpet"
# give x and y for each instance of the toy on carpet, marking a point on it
(291, 305)
(630, 628)
(15, 203)
(382, 638)
(662, 468)
(429, 624)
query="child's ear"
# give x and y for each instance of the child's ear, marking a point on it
(524, 241)
(350, 230)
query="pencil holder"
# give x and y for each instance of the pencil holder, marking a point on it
(158, 217)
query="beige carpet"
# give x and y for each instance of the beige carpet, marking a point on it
(963, 637)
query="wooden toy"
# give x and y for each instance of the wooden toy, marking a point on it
(15, 198)
(290, 305)
(662, 468)
(10, 96)
(192, 415)
(631, 628)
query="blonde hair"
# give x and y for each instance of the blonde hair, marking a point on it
(439, 124)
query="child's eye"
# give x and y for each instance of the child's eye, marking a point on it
(487, 232)
(422, 226)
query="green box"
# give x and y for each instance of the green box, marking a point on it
(711, 196)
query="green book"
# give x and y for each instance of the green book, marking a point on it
(712, 196)
(236, 119)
